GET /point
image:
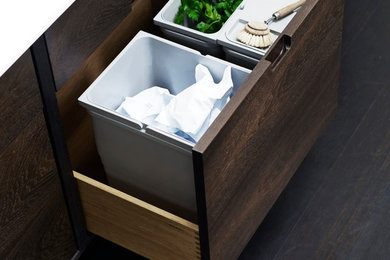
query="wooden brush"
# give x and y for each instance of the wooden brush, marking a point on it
(285, 11)
(256, 34)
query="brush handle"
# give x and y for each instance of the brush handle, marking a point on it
(288, 10)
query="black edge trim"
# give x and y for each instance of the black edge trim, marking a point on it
(201, 204)
(44, 74)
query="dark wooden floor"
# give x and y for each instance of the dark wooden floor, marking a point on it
(337, 205)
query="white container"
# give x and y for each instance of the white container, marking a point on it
(226, 38)
(145, 162)
(204, 42)
(254, 10)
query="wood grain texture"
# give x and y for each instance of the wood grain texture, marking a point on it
(75, 119)
(19, 100)
(33, 220)
(251, 151)
(136, 225)
(349, 206)
(79, 31)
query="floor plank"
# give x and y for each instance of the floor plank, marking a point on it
(339, 213)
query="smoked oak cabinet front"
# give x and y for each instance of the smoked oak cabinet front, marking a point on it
(244, 160)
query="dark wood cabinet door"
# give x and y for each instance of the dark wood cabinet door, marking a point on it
(247, 157)
(34, 223)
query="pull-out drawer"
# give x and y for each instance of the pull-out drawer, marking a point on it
(135, 224)
(243, 161)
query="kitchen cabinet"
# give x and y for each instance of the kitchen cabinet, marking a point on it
(241, 164)
(243, 161)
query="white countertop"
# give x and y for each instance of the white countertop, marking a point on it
(22, 22)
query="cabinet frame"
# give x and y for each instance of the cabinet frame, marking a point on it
(272, 121)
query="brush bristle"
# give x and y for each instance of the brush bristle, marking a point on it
(258, 41)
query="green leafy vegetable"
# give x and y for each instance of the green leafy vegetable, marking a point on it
(207, 16)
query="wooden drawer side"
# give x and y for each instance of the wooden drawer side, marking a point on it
(136, 225)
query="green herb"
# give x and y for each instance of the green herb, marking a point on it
(207, 16)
